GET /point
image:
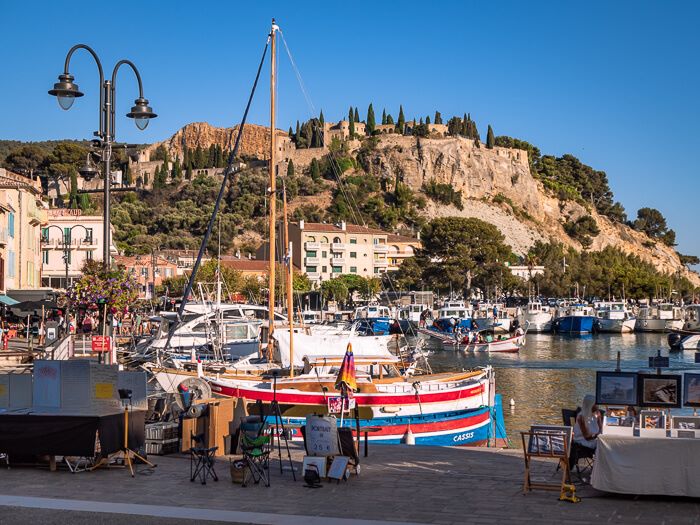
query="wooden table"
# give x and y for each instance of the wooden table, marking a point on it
(367, 430)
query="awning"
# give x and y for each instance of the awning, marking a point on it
(9, 301)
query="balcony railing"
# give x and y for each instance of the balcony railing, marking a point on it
(337, 261)
(382, 248)
(312, 245)
(381, 262)
(338, 247)
(313, 276)
(312, 260)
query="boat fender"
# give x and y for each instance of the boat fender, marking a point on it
(408, 437)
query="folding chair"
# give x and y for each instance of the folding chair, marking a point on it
(202, 460)
(578, 452)
(348, 447)
(255, 444)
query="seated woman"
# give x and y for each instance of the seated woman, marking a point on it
(589, 423)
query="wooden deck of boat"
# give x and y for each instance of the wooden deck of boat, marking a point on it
(397, 484)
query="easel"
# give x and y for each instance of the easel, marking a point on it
(279, 423)
(533, 447)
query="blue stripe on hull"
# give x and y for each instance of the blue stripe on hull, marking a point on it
(576, 324)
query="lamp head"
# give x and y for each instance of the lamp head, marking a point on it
(89, 170)
(141, 113)
(65, 91)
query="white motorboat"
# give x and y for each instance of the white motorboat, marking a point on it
(659, 317)
(490, 316)
(614, 317)
(538, 315)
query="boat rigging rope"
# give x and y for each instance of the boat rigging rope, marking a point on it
(228, 171)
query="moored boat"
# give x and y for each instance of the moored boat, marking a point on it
(614, 317)
(574, 318)
(659, 317)
(538, 316)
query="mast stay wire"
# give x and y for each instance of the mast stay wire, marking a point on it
(352, 203)
(227, 172)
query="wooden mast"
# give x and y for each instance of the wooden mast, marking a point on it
(290, 280)
(273, 185)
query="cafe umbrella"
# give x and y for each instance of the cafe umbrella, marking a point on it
(346, 380)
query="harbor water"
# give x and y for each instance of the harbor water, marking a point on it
(555, 371)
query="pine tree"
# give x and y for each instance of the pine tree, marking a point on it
(383, 117)
(490, 139)
(438, 118)
(357, 115)
(290, 169)
(371, 125)
(401, 124)
(351, 125)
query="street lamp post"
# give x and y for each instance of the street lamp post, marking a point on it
(66, 91)
(67, 237)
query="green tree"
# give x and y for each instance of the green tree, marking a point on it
(401, 123)
(651, 222)
(389, 119)
(24, 159)
(357, 115)
(383, 117)
(115, 288)
(438, 118)
(73, 197)
(351, 125)
(315, 170)
(188, 172)
(126, 175)
(335, 290)
(321, 120)
(490, 138)
(427, 119)
(290, 169)
(371, 124)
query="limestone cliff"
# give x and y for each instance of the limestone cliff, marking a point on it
(497, 186)
(255, 142)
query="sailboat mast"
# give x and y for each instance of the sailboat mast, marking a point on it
(273, 185)
(290, 281)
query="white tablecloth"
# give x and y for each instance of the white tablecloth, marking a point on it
(636, 465)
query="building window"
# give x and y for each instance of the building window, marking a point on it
(336, 240)
(45, 256)
(324, 254)
(311, 253)
(311, 269)
(353, 255)
(66, 235)
(144, 272)
(88, 236)
(45, 234)
(324, 269)
(11, 227)
(353, 269)
(168, 272)
(336, 255)
(353, 241)
(88, 255)
(377, 270)
(311, 238)
(337, 269)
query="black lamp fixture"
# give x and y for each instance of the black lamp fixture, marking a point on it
(142, 113)
(65, 91)
(89, 170)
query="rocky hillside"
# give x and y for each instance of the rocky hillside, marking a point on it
(497, 187)
(255, 142)
(496, 184)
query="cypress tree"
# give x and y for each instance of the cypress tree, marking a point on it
(490, 139)
(73, 197)
(186, 156)
(290, 133)
(357, 115)
(290, 169)
(401, 124)
(421, 121)
(188, 172)
(297, 135)
(321, 119)
(126, 179)
(352, 124)
(389, 119)
(315, 170)
(383, 117)
(427, 119)
(371, 125)
(84, 202)
(465, 125)
(438, 118)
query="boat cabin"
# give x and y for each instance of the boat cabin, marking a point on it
(372, 311)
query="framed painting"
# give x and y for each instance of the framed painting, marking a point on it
(662, 391)
(616, 388)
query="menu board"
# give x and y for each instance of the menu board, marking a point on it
(75, 385)
(20, 390)
(46, 391)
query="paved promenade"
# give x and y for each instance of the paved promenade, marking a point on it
(397, 483)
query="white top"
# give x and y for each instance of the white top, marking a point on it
(592, 426)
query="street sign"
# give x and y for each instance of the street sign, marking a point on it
(101, 343)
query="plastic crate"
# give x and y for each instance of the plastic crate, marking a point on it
(162, 447)
(161, 431)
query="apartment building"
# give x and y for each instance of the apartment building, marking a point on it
(22, 213)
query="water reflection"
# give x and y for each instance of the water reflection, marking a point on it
(554, 371)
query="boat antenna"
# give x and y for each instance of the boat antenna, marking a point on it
(228, 171)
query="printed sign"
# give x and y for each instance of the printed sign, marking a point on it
(322, 436)
(335, 404)
(101, 343)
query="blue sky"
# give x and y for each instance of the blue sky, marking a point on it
(614, 83)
